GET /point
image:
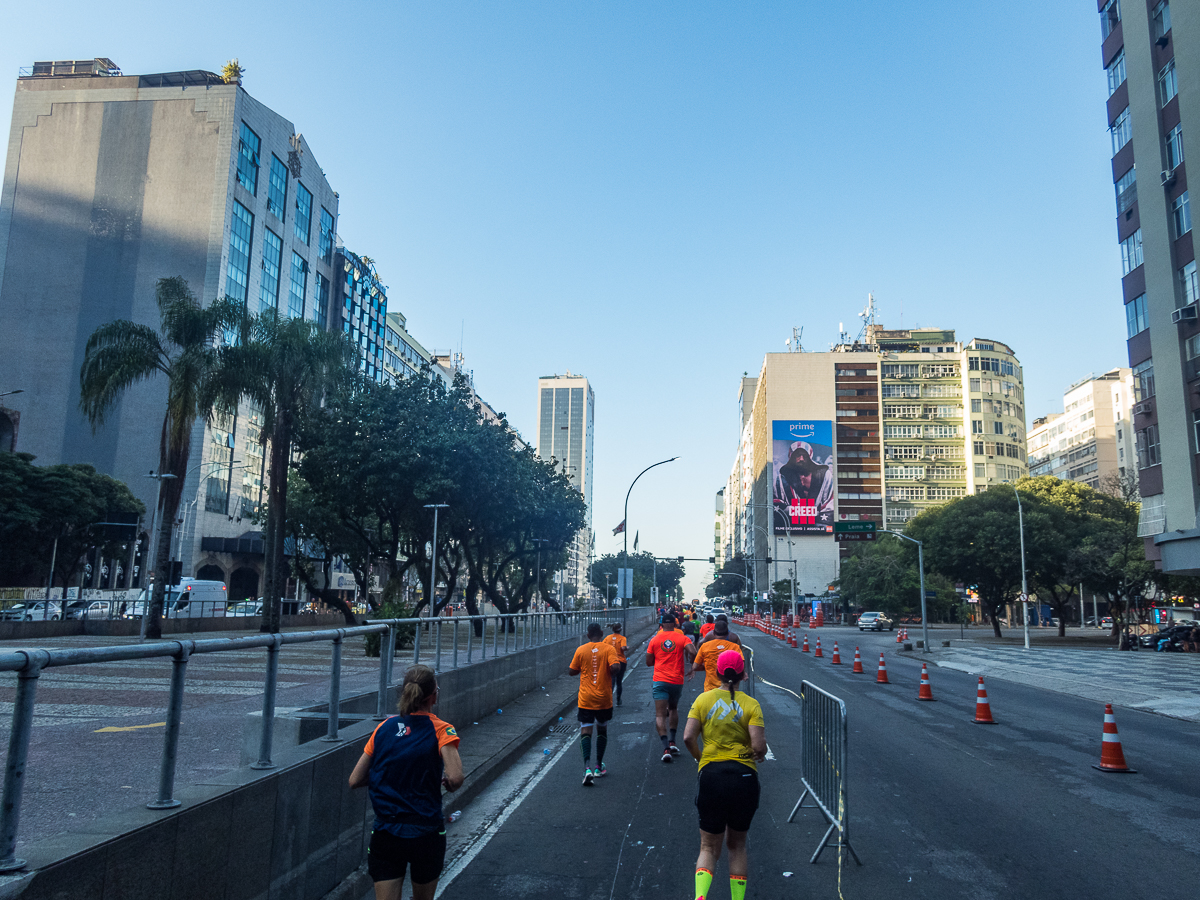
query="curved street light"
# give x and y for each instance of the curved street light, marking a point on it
(921, 568)
(625, 551)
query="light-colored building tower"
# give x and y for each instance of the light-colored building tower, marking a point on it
(1091, 441)
(565, 431)
(1151, 56)
(875, 430)
(112, 182)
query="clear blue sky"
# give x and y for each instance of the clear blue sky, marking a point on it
(653, 194)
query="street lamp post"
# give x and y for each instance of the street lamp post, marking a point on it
(921, 570)
(433, 566)
(1024, 587)
(625, 551)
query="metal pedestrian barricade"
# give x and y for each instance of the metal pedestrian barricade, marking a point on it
(823, 763)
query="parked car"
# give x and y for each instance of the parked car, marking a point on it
(245, 608)
(1106, 623)
(89, 609)
(875, 621)
(33, 610)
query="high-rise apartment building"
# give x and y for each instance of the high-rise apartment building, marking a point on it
(875, 430)
(566, 410)
(1151, 56)
(361, 310)
(1091, 440)
(112, 182)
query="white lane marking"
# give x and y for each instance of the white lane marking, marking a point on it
(781, 688)
(769, 755)
(474, 848)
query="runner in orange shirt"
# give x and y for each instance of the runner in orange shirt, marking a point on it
(595, 663)
(706, 658)
(619, 644)
(667, 652)
(708, 626)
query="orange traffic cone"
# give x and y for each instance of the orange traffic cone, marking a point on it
(906, 634)
(899, 635)
(881, 678)
(792, 633)
(858, 669)
(983, 710)
(837, 659)
(925, 692)
(804, 648)
(817, 654)
(1112, 759)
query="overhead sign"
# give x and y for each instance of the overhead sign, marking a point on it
(854, 536)
(804, 476)
(625, 584)
(851, 527)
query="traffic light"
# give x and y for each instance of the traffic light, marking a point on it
(680, 559)
(712, 559)
(769, 560)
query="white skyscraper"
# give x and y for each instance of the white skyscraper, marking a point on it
(565, 433)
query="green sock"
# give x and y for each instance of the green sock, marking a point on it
(737, 887)
(585, 744)
(601, 743)
(703, 883)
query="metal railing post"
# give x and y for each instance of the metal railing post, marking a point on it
(454, 635)
(166, 772)
(18, 752)
(268, 715)
(437, 653)
(495, 637)
(335, 683)
(470, 635)
(417, 645)
(385, 671)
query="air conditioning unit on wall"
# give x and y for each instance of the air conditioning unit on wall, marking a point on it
(1186, 314)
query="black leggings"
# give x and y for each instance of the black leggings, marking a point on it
(618, 678)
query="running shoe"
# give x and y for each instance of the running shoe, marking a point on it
(672, 749)
(666, 757)
(588, 778)
(600, 772)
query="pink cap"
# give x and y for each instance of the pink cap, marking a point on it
(731, 659)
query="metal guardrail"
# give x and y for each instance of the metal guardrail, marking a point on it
(521, 631)
(823, 762)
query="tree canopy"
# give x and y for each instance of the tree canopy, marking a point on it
(669, 573)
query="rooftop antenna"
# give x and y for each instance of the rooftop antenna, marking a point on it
(868, 317)
(793, 343)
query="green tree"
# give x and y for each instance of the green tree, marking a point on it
(184, 352)
(284, 367)
(881, 575)
(668, 572)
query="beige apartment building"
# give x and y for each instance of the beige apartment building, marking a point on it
(1092, 440)
(886, 426)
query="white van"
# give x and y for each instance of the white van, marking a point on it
(192, 598)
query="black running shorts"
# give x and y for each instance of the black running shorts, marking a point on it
(388, 856)
(726, 796)
(597, 716)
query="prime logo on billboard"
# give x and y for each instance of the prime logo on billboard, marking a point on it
(804, 476)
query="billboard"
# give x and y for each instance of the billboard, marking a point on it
(804, 476)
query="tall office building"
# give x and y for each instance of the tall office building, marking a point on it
(1151, 54)
(112, 182)
(875, 430)
(566, 408)
(1091, 440)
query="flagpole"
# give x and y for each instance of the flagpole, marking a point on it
(625, 551)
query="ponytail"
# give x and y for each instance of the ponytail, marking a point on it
(730, 679)
(420, 684)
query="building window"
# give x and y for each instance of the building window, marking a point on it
(216, 495)
(1135, 315)
(237, 280)
(325, 240)
(303, 213)
(298, 287)
(1143, 381)
(1126, 187)
(1110, 17)
(1116, 72)
(277, 188)
(322, 299)
(1131, 252)
(1181, 215)
(1120, 130)
(272, 261)
(1168, 84)
(1196, 430)
(977, 448)
(1189, 284)
(1147, 447)
(1160, 19)
(1174, 145)
(247, 170)
(976, 425)
(998, 427)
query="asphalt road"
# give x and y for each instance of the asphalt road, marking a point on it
(939, 807)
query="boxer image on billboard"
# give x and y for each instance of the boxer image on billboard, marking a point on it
(805, 478)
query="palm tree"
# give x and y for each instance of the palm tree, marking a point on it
(284, 367)
(121, 353)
